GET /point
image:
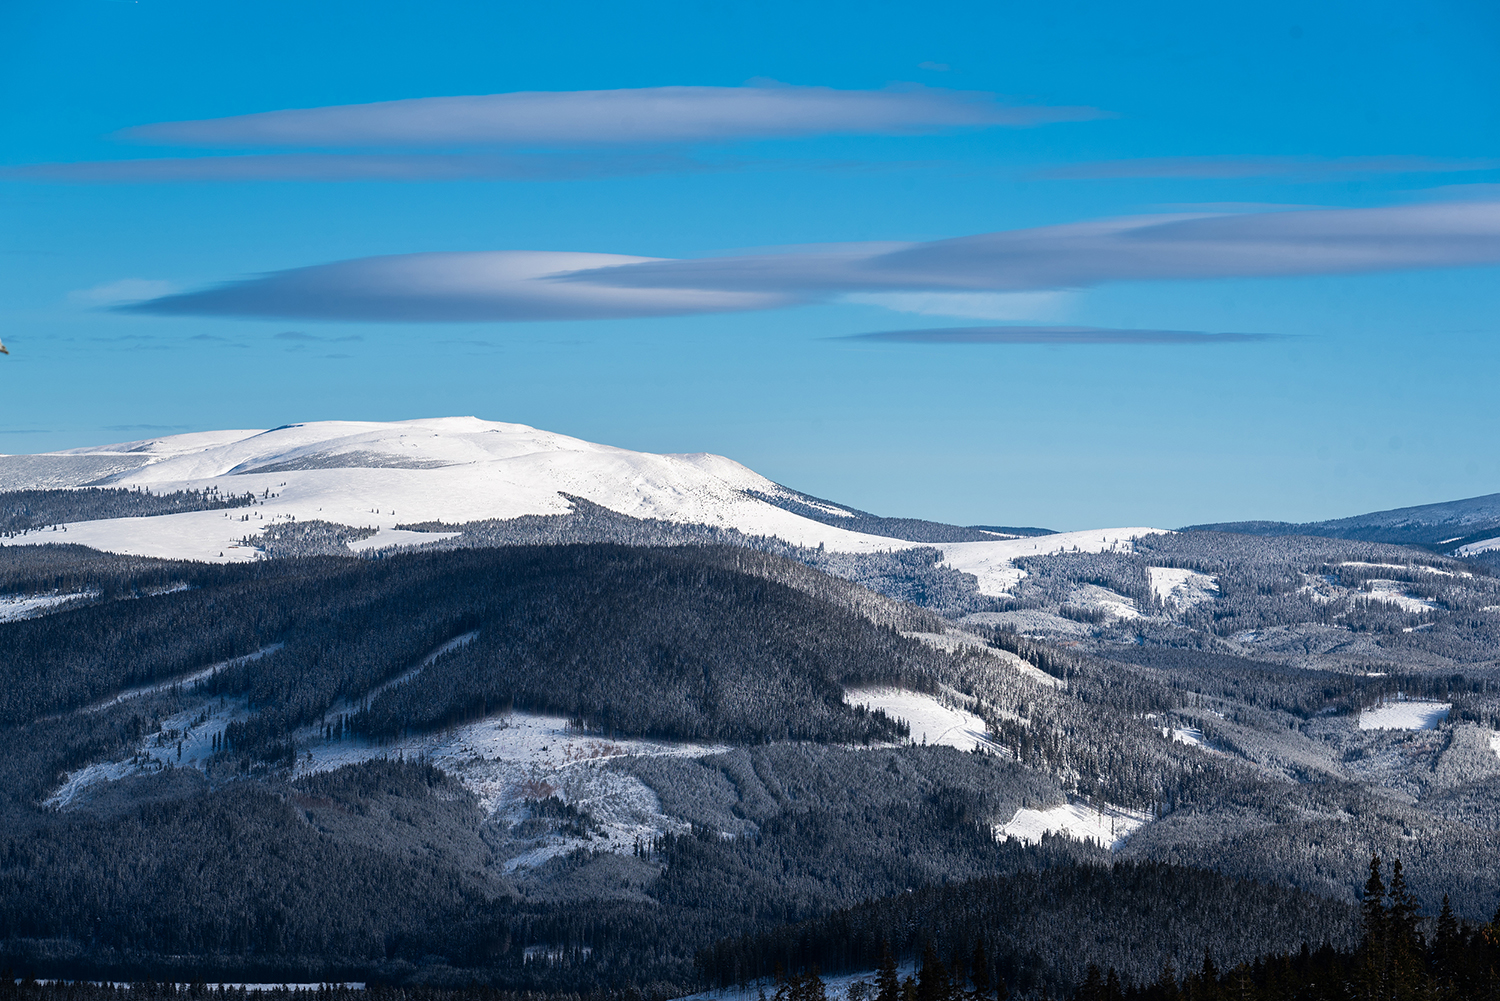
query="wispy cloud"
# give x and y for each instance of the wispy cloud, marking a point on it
(527, 285)
(121, 291)
(1294, 167)
(1054, 335)
(298, 335)
(648, 115)
(304, 167)
(968, 305)
(1079, 255)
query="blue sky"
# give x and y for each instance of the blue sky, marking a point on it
(1323, 177)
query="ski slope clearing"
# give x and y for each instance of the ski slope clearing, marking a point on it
(1107, 826)
(1408, 715)
(1180, 589)
(1475, 548)
(931, 721)
(991, 561)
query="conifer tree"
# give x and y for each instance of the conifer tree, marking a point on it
(887, 980)
(979, 973)
(933, 983)
(1376, 928)
(1403, 943)
(1445, 947)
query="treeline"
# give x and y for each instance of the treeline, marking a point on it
(29, 510)
(1040, 930)
(24, 988)
(970, 939)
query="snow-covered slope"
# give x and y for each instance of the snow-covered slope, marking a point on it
(449, 469)
(453, 469)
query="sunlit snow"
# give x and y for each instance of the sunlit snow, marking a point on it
(1105, 825)
(991, 561)
(1405, 715)
(1180, 589)
(27, 606)
(930, 720)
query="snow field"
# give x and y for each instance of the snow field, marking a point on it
(991, 561)
(1112, 603)
(1105, 825)
(1475, 548)
(454, 469)
(1191, 736)
(1393, 592)
(931, 721)
(1180, 589)
(462, 469)
(1405, 715)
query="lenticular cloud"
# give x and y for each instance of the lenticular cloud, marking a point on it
(591, 117)
(483, 286)
(525, 285)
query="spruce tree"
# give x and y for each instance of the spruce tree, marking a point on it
(979, 973)
(1376, 927)
(932, 979)
(1445, 947)
(887, 980)
(1403, 943)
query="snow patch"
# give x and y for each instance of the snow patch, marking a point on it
(991, 561)
(1475, 548)
(930, 720)
(1393, 592)
(1180, 589)
(29, 606)
(1105, 825)
(507, 760)
(1405, 715)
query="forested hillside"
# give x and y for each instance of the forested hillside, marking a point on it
(592, 766)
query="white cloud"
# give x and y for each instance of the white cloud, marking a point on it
(592, 117)
(359, 167)
(1305, 168)
(1149, 248)
(981, 274)
(489, 285)
(122, 291)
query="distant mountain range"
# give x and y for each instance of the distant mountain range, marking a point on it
(1463, 527)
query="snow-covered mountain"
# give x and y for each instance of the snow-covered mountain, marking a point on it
(454, 470)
